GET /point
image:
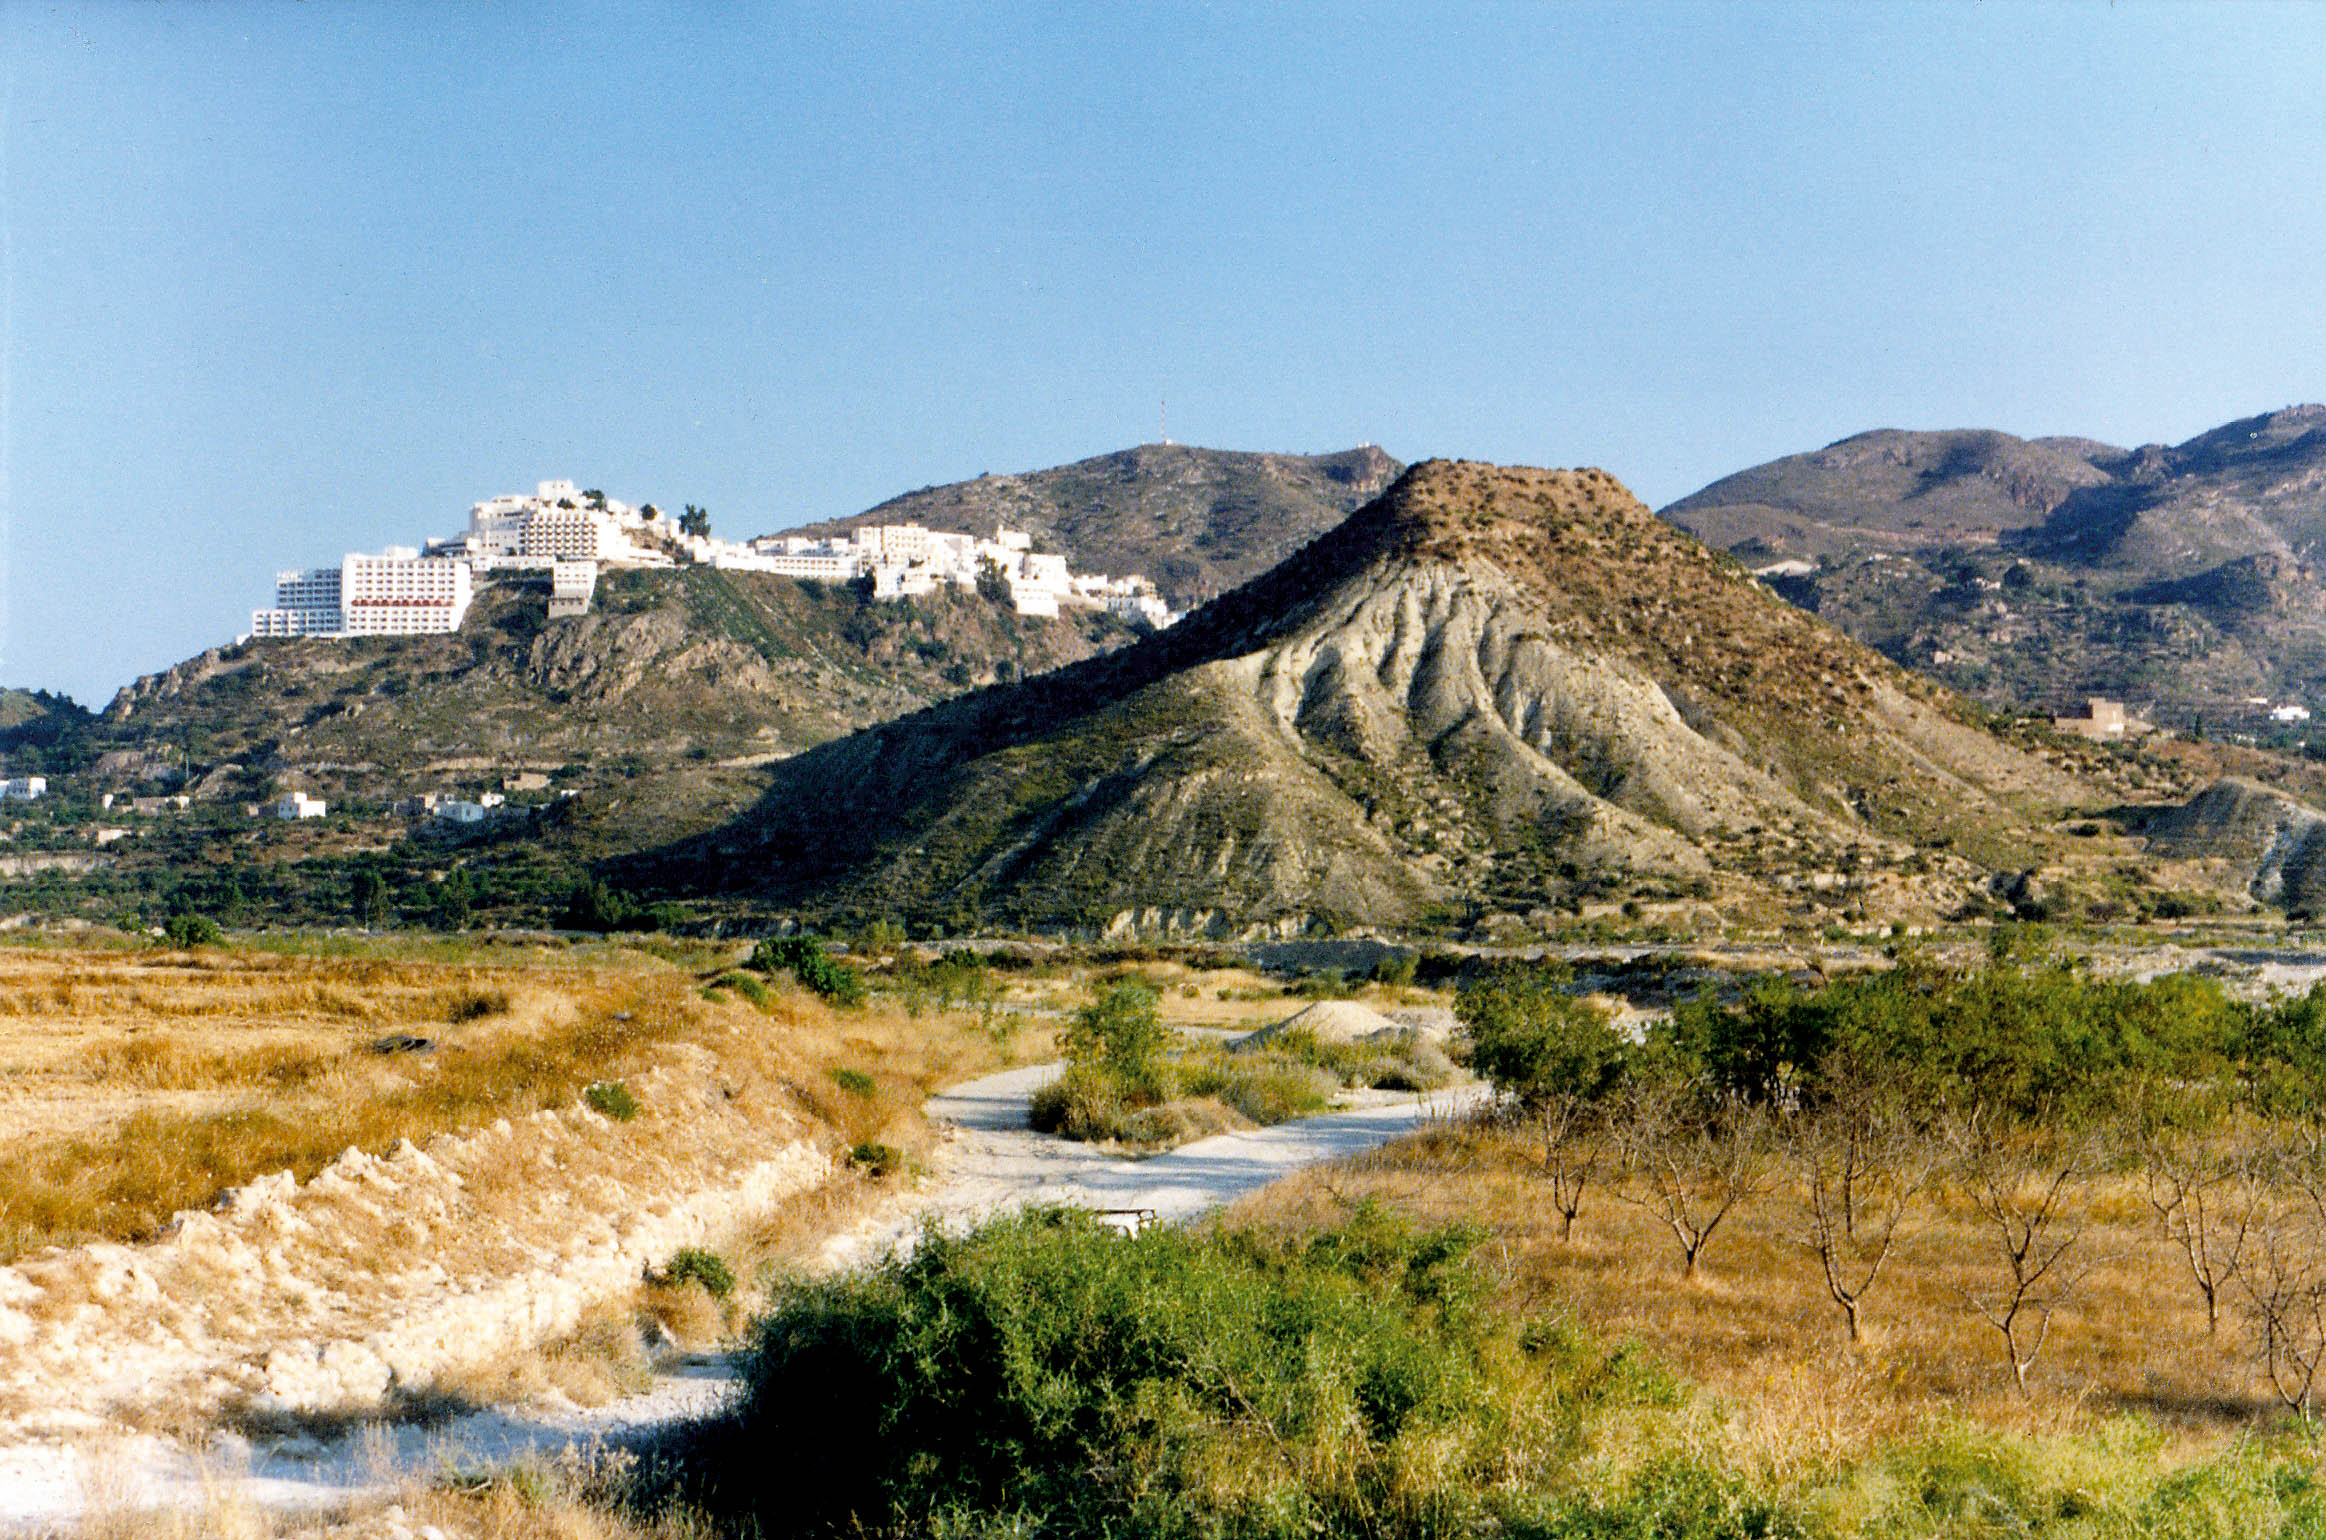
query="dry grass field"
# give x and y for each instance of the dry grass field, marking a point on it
(136, 1083)
(1757, 1329)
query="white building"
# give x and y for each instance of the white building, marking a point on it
(2289, 714)
(571, 583)
(560, 522)
(402, 593)
(306, 604)
(566, 534)
(399, 592)
(25, 788)
(462, 810)
(297, 804)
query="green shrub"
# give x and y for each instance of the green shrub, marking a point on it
(1119, 1039)
(1046, 1374)
(817, 970)
(1278, 1092)
(746, 986)
(192, 930)
(611, 1098)
(693, 1264)
(877, 1159)
(1079, 1105)
(1396, 971)
(855, 1082)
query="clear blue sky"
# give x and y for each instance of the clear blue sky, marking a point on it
(287, 280)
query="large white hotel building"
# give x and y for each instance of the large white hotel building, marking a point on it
(396, 593)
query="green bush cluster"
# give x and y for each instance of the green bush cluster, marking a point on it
(805, 959)
(2027, 1039)
(192, 930)
(1045, 1374)
(695, 1264)
(594, 905)
(1122, 1084)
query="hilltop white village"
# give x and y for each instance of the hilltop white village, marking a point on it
(567, 534)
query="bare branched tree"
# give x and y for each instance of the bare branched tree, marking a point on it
(1693, 1157)
(2025, 1189)
(2285, 1297)
(1553, 1059)
(2282, 1275)
(1575, 1145)
(1861, 1166)
(2203, 1195)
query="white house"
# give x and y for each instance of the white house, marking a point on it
(297, 804)
(24, 788)
(2289, 713)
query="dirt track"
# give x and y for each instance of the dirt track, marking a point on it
(990, 1163)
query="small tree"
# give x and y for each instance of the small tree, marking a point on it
(2203, 1199)
(695, 521)
(2024, 1187)
(1860, 1165)
(367, 894)
(454, 899)
(1555, 1059)
(1695, 1156)
(1120, 1037)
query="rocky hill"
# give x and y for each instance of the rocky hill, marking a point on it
(1196, 521)
(691, 677)
(2030, 572)
(1490, 694)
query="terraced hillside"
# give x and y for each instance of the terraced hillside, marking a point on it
(1490, 692)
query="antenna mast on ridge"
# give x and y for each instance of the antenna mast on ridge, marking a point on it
(1166, 423)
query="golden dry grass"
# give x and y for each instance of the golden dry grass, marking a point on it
(1759, 1331)
(141, 1084)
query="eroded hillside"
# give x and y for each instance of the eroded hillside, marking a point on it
(1491, 692)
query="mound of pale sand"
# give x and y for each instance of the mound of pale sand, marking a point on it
(1328, 1021)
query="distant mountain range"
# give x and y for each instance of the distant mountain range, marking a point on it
(1195, 521)
(2027, 572)
(1491, 691)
